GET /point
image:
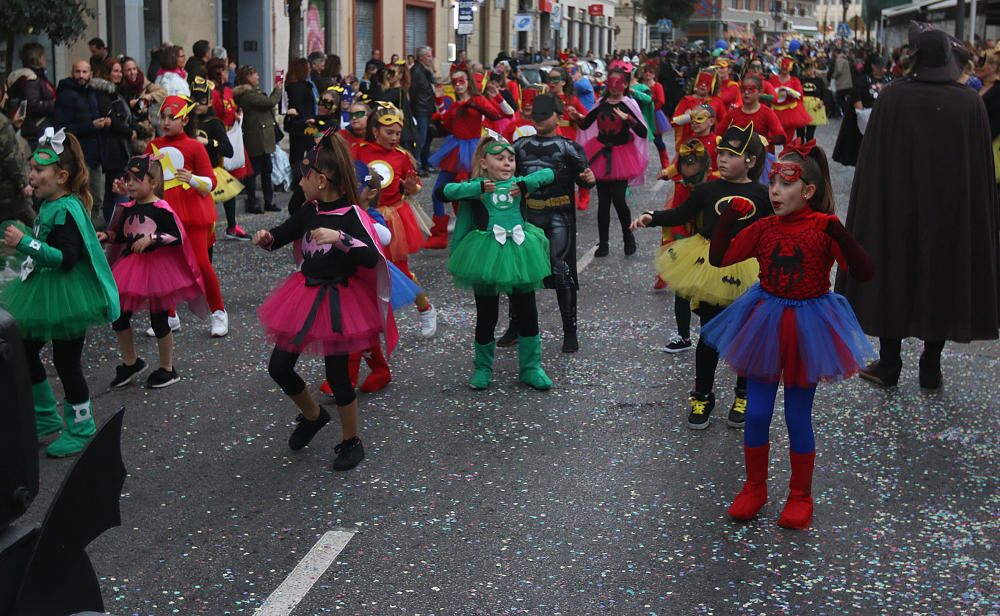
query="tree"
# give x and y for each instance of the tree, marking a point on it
(677, 10)
(294, 30)
(64, 21)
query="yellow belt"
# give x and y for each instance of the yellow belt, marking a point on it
(784, 107)
(541, 204)
(563, 122)
(174, 183)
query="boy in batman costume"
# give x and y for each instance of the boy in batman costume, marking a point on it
(553, 208)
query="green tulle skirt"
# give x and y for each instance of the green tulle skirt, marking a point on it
(486, 266)
(55, 304)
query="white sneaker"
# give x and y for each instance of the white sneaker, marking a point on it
(428, 322)
(173, 322)
(220, 323)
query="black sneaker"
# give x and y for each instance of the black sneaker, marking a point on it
(125, 374)
(602, 250)
(570, 343)
(677, 345)
(161, 378)
(350, 453)
(738, 412)
(629, 244)
(701, 407)
(508, 339)
(306, 430)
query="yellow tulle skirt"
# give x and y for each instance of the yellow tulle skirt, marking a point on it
(684, 265)
(226, 186)
(816, 109)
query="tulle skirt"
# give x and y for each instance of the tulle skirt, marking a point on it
(793, 117)
(486, 266)
(455, 155)
(404, 290)
(800, 342)
(407, 234)
(684, 264)
(158, 280)
(662, 122)
(621, 162)
(816, 110)
(57, 304)
(285, 315)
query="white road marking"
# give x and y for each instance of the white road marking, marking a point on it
(585, 260)
(309, 570)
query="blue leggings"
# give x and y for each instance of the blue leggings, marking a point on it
(798, 415)
(444, 177)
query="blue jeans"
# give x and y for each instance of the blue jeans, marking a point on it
(444, 177)
(423, 149)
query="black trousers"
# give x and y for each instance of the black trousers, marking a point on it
(488, 312)
(608, 194)
(67, 356)
(559, 226)
(707, 359)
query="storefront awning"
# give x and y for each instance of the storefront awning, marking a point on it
(905, 9)
(799, 28)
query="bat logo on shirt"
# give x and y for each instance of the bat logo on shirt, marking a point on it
(736, 282)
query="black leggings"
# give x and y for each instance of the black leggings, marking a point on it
(707, 359)
(157, 319)
(67, 356)
(682, 313)
(488, 312)
(609, 192)
(281, 367)
(806, 132)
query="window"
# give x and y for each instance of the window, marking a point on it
(364, 33)
(735, 4)
(418, 24)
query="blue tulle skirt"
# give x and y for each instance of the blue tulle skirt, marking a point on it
(466, 148)
(800, 342)
(764, 179)
(404, 290)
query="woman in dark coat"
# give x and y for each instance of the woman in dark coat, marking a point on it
(31, 84)
(114, 139)
(866, 90)
(303, 100)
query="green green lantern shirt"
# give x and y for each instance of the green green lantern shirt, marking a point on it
(495, 249)
(58, 294)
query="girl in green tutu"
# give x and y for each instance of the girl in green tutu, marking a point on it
(64, 287)
(496, 251)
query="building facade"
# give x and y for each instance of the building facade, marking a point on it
(752, 20)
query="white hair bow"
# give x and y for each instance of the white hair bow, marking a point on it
(53, 139)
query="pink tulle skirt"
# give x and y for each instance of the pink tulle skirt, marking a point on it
(285, 313)
(622, 162)
(157, 281)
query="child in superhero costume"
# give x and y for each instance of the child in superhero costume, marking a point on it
(559, 86)
(787, 104)
(497, 251)
(684, 265)
(521, 125)
(397, 169)
(789, 328)
(337, 303)
(358, 125)
(65, 286)
(814, 92)
(551, 209)
(703, 94)
(464, 120)
(613, 135)
(154, 267)
(188, 182)
(695, 164)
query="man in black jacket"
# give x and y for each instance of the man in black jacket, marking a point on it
(76, 111)
(423, 105)
(195, 66)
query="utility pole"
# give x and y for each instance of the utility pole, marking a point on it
(960, 20)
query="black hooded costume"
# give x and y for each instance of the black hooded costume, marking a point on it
(924, 206)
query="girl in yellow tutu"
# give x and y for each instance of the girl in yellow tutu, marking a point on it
(684, 264)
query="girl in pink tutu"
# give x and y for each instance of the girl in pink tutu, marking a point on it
(614, 136)
(154, 267)
(338, 301)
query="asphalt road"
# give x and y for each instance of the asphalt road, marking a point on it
(591, 498)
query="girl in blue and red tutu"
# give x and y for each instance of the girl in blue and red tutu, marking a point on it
(338, 301)
(614, 136)
(154, 266)
(790, 328)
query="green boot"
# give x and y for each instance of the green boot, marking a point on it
(483, 372)
(47, 420)
(529, 359)
(79, 428)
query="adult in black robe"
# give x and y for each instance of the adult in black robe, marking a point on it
(863, 96)
(924, 206)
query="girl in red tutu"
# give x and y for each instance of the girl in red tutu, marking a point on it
(704, 93)
(788, 328)
(788, 105)
(154, 267)
(381, 152)
(614, 137)
(338, 301)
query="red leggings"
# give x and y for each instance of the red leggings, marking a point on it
(201, 239)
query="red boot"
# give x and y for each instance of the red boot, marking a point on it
(799, 507)
(754, 493)
(353, 368)
(583, 199)
(439, 233)
(380, 375)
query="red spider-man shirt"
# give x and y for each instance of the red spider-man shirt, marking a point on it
(794, 252)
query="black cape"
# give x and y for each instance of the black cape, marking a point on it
(924, 206)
